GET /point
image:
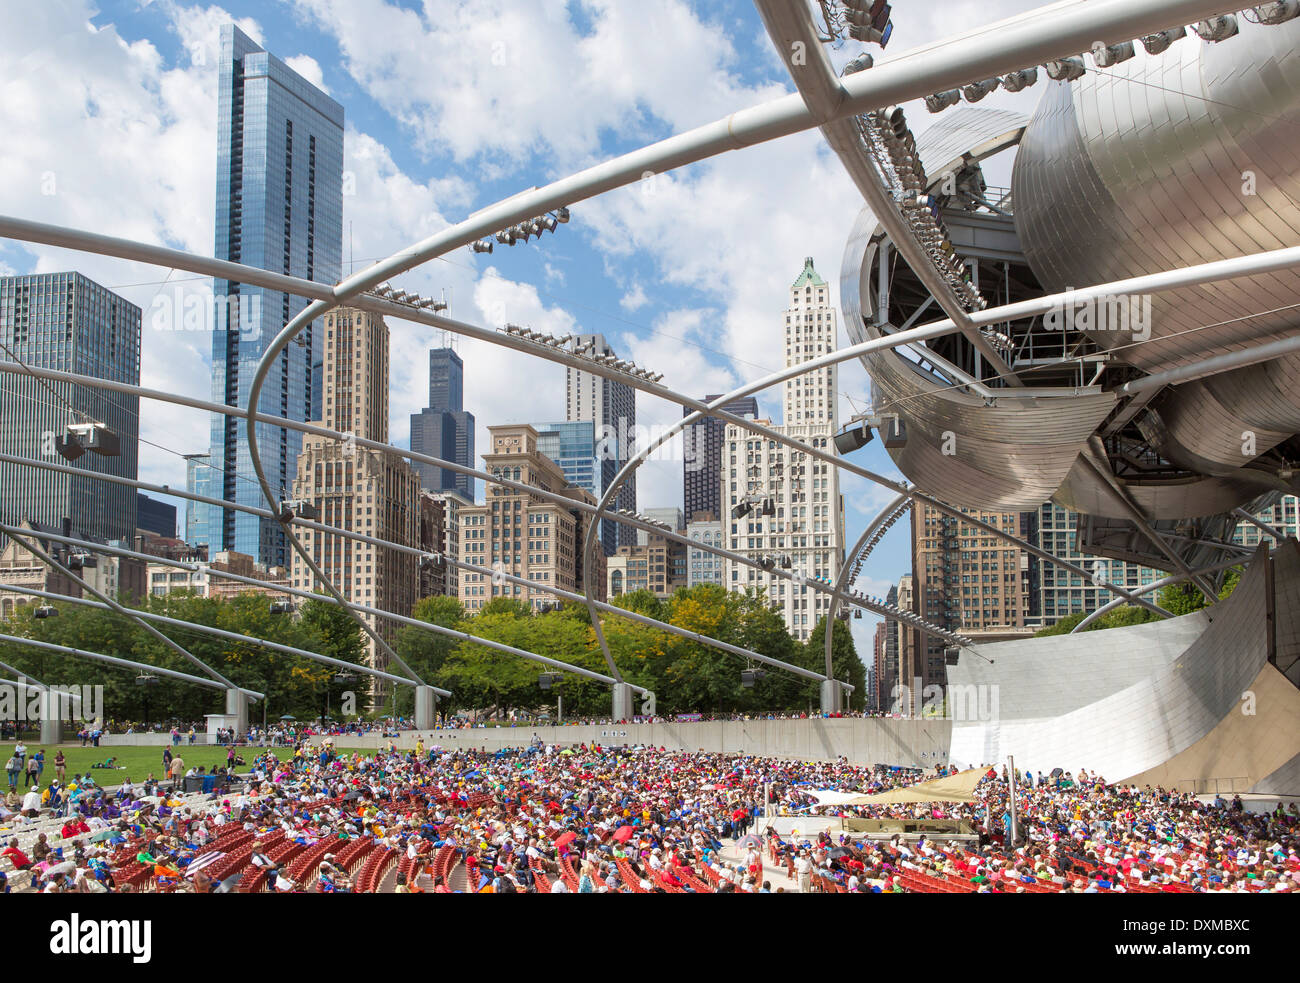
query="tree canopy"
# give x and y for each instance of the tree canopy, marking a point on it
(685, 674)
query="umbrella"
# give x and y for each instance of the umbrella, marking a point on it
(838, 852)
(564, 839)
(750, 840)
(288, 716)
(623, 834)
(228, 885)
(567, 751)
(104, 834)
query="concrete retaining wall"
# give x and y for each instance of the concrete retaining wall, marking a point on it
(907, 743)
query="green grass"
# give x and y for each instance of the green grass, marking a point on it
(138, 761)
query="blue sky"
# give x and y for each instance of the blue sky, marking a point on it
(450, 106)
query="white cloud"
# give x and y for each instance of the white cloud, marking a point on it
(523, 80)
(309, 68)
(634, 299)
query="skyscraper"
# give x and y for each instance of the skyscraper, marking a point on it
(702, 455)
(65, 321)
(611, 406)
(373, 492)
(443, 429)
(521, 534)
(572, 445)
(779, 502)
(280, 208)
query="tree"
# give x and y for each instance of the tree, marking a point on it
(426, 652)
(845, 664)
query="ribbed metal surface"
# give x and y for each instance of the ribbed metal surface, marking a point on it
(1141, 168)
(1118, 701)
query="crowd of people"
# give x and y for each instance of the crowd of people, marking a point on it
(592, 819)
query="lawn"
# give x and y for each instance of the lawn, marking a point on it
(138, 762)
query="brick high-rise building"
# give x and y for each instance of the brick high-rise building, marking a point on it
(521, 534)
(966, 580)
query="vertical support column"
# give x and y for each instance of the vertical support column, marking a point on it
(237, 706)
(51, 717)
(425, 701)
(831, 694)
(622, 702)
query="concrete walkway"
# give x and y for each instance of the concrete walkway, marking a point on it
(732, 854)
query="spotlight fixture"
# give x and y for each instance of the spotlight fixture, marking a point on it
(282, 607)
(978, 90)
(1065, 69)
(1277, 13)
(742, 510)
(45, 611)
(1106, 55)
(546, 680)
(863, 62)
(1218, 28)
(82, 561)
(1021, 79)
(298, 508)
(940, 101)
(1161, 40)
(482, 246)
(748, 677)
(895, 434)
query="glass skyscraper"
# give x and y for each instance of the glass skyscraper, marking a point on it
(443, 429)
(280, 208)
(65, 321)
(572, 445)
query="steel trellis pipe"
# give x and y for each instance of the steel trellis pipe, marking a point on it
(33, 548)
(841, 581)
(127, 664)
(414, 551)
(217, 633)
(359, 608)
(1156, 585)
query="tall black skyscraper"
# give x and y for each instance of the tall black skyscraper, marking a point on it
(443, 429)
(701, 470)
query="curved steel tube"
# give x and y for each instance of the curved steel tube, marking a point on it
(414, 551)
(53, 564)
(1156, 585)
(128, 664)
(847, 569)
(219, 633)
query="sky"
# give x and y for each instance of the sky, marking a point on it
(451, 105)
